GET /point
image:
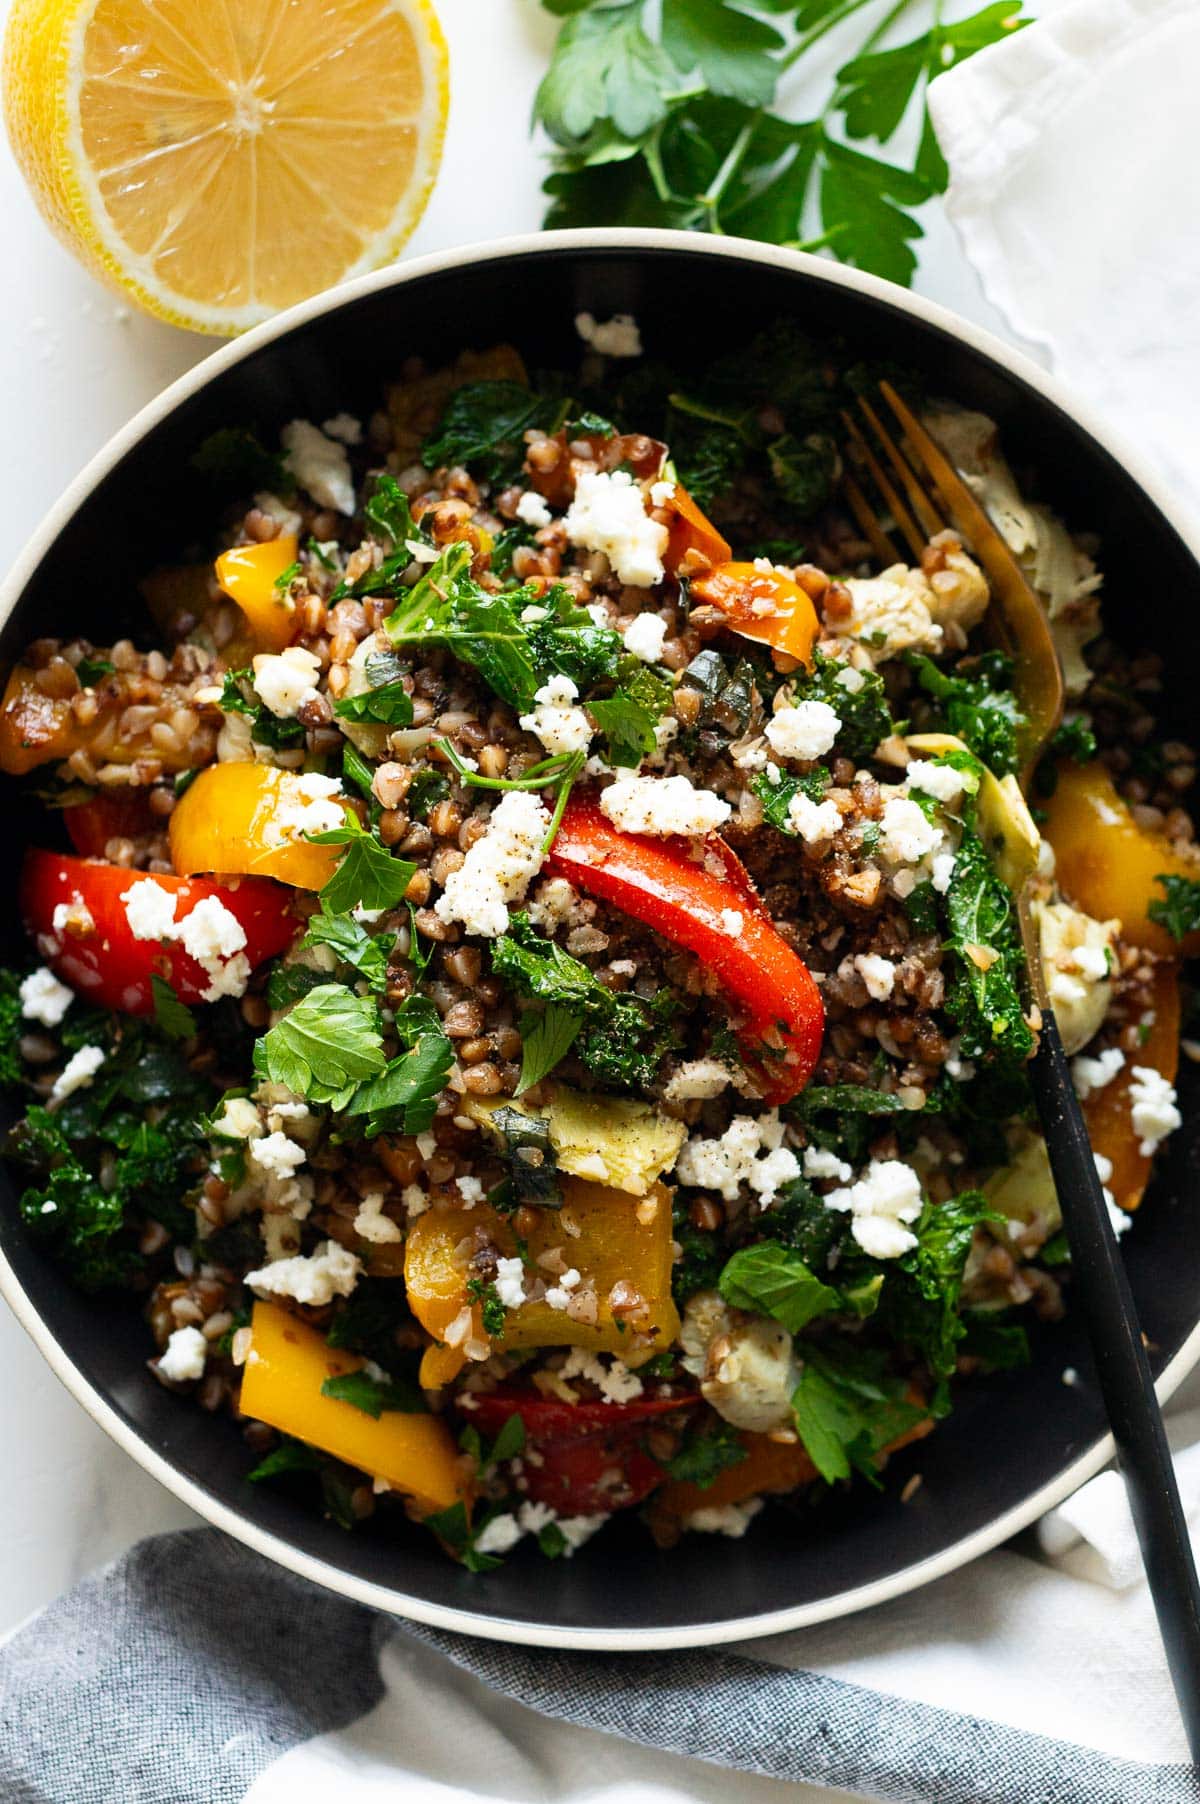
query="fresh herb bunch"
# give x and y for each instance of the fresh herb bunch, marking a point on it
(661, 116)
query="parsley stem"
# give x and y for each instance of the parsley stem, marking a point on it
(538, 776)
(845, 11)
(711, 200)
(564, 791)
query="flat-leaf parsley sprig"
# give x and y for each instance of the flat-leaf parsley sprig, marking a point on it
(669, 125)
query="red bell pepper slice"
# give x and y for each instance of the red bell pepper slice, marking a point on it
(104, 962)
(91, 824)
(680, 888)
(590, 1456)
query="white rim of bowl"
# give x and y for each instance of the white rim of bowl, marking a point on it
(365, 1591)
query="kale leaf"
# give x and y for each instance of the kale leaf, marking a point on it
(921, 1297)
(976, 702)
(1179, 909)
(483, 426)
(984, 999)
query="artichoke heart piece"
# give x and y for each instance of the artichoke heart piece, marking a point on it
(616, 1141)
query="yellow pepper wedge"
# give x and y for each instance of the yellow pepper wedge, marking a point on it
(764, 605)
(225, 822)
(1107, 1110)
(286, 1366)
(248, 575)
(620, 1237)
(1107, 864)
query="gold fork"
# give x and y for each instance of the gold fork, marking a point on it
(923, 493)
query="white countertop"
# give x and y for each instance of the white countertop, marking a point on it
(75, 364)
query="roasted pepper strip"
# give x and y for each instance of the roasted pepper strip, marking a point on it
(764, 605)
(686, 892)
(693, 541)
(249, 575)
(286, 1366)
(232, 820)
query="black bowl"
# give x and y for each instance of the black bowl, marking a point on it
(1016, 1443)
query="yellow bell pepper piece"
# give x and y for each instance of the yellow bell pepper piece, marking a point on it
(620, 1238)
(222, 823)
(248, 575)
(287, 1364)
(1107, 864)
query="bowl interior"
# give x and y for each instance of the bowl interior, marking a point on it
(1009, 1436)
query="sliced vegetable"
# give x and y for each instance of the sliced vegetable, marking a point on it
(764, 605)
(591, 1458)
(1107, 1110)
(234, 820)
(1108, 865)
(249, 575)
(613, 1140)
(692, 532)
(769, 1466)
(104, 961)
(286, 1367)
(688, 896)
(108, 815)
(622, 1241)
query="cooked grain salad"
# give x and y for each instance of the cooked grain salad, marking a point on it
(527, 1014)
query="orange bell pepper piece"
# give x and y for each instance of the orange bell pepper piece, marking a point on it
(287, 1364)
(226, 820)
(1107, 1110)
(691, 530)
(613, 1243)
(764, 605)
(248, 574)
(1107, 864)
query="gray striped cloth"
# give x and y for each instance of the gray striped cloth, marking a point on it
(181, 1673)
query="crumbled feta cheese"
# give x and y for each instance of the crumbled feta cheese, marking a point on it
(1090, 961)
(77, 1073)
(905, 835)
(533, 509)
(211, 931)
(732, 922)
(238, 1120)
(319, 465)
(662, 806)
(500, 1535)
(615, 337)
(820, 1163)
(150, 910)
(499, 868)
(277, 1155)
(345, 427)
(941, 781)
(804, 731)
(644, 637)
(553, 904)
(560, 726)
(183, 1356)
(724, 1165)
(575, 1530)
(892, 613)
(941, 870)
(849, 679)
(729, 1519)
(615, 1382)
(1088, 1074)
(427, 1144)
(73, 917)
(331, 1271)
(813, 821)
(415, 1200)
(609, 514)
(661, 493)
(420, 553)
(879, 974)
(697, 1080)
(43, 998)
(1153, 1108)
(510, 1282)
(470, 1189)
(282, 680)
(370, 1223)
(559, 1295)
(883, 1201)
(308, 803)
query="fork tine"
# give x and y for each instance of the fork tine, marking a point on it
(921, 504)
(901, 515)
(867, 518)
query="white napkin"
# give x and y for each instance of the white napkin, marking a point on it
(1075, 190)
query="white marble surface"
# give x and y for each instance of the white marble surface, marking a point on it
(74, 365)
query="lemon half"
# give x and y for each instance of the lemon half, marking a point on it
(217, 160)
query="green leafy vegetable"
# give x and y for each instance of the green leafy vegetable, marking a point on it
(427, 789)
(367, 1320)
(374, 1395)
(388, 511)
(176, 1021)
(492, 1311)
(12, 1027)
(367, 953)
(327, 1046)
(705, 1454)
(403, 1097)
(289, 1457)
(627, 718)
(846, 1099)
(367, 876)
(848, 1406)
(777, 798)
(771, 1280)
(234, 459)
(1000, 1345)
(386, 701)
(985, 1003)
(976, 702)
(864, 712)
(484, 424)
(546, 1039)
(1179, 909)
(923, 1312)
(91, 671)
(265, 728)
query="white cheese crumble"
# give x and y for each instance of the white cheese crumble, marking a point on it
(1119, 1221)
(533, 509)
(804, 731)
(277, 1155)
(150, 910)
(724, 1165)
(345, 427)
(559, 1295)
(499, 868)
(1153, 1108)
(697, 1081)
(849, 679)
(319, 465)
(644, 637)
(941, 781)
(510, 1282)
(883, 1202)
(554, 904)
(370, 1223)
(77, 1073)
(732, 922)
(661, 493)
(879, 974)
(308, 803)
(905, 835)
(729, 1519)
(214, 937)
(662, 806)
(609, 514)
(1088, 1074)
(559, 725)
(820, 1163)
(615, 337)
(183, 1356)
(615, 1382)
(500, 1535)
(282, 680)
(815, 822)
(331, 1271)
(43, 998)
